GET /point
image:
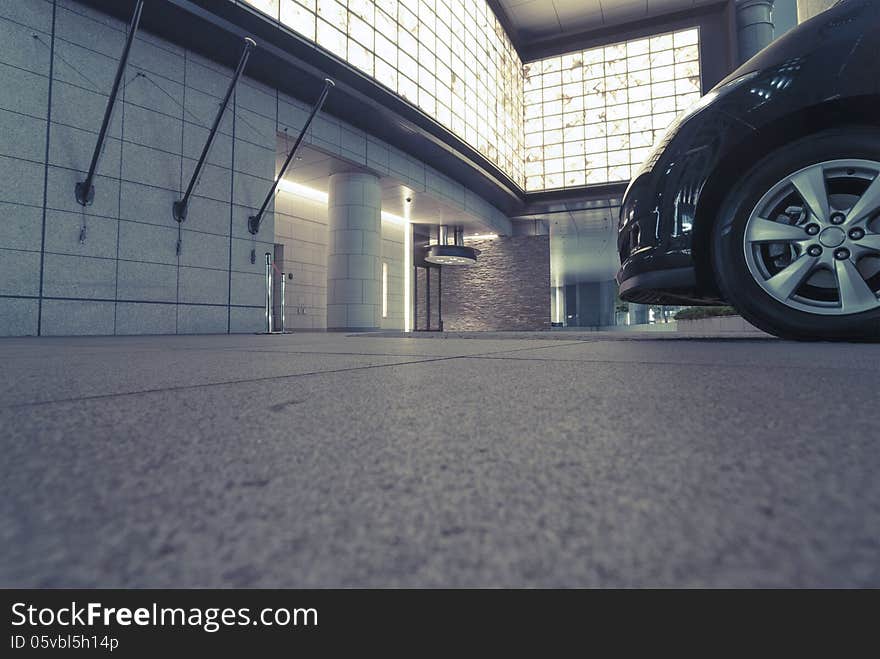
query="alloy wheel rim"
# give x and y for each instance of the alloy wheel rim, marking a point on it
(812, 242)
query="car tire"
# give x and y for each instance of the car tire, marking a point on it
(745, 269)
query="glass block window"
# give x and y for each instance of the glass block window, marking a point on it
(450, 58)
(591, 116)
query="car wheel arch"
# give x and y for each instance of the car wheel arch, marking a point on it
(855, 112)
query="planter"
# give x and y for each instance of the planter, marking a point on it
(733, 325)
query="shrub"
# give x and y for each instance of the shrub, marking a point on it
(696, 313)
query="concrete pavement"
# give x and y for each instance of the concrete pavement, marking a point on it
(316, 460)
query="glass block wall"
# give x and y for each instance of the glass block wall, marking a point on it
(592, 116)
(450, 58)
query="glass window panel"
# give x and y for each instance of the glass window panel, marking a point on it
(614, 112)
(407, 65)
(360, 31)
(620, 173)
(386, 49)
(663, 58)
(615, 52)
(640, 93)
(575, 178)
(269, 7)
(299, 18)
(386, 74)
(332, 39)
(407, 88)
(596, 145)
(574, 148)
(552, 136)
(641, 139)
(639, 63)
(532, 97)
(535, 183)
(334, 13)
(363, 9)
(533, 112)
(453, 59)
(552, 181)
(687, 85)
(575, 163)
(638, 47)
(661, 42)
(551, 79)
(551, 65)
(360, 56)
(660, 74)
(553, 151)
(597, 176)
(687, 54)
(595, 160)
(592, 71)
(553, 122)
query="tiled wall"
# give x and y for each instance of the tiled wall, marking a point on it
(392, 254)
(113, 267)
(301, 225)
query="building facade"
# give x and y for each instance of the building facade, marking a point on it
(443, 115)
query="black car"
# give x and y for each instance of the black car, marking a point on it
(766, 194)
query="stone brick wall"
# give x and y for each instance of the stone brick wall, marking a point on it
(508, 288)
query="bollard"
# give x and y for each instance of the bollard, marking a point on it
(283, 291)
(268, 293)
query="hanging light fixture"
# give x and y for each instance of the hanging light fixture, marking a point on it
(455, 253)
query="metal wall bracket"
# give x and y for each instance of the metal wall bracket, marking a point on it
(179, 208)
(255, 220)
(85, 190)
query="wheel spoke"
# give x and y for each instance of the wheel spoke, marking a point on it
(867, 203)
(810, 185)
(767, 231)
(786, 282)
(855, 294)
(871, 242)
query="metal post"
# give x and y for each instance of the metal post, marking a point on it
(179, 208)
(85, 190)
(268, 293)
(440, 298)
(254, 220)
(283, 291)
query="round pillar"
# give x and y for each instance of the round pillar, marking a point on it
(806, 9)
(353, 273)
(754, 26)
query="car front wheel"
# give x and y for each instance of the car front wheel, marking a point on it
(797, 246)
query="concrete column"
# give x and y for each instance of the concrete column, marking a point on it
(806, 9)
(353, 270)
(754, 26)
(596, 303)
